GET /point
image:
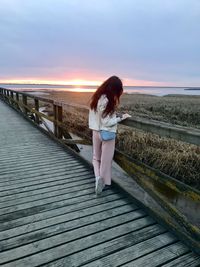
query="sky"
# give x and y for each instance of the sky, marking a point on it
(144, 42)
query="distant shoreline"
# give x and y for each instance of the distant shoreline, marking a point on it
(142, 90)
(198, 88)
(95, 86)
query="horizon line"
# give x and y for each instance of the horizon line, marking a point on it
(57, 84)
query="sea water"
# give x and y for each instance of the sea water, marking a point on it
(150, 90)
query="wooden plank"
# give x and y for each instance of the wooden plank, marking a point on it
(41, 168)
(10, 152)
(81, 186)
(39, 206)
(160, 256)
(45, 171)
(23, 161)
(73, 192)
(128, 256)
(188, 260)
(28, 174)
(34, 189)
(61, 227)
(137, 234)
(42, 171)
(56, 218)
(55, 184)
(132, 234)
(26, 158)
(69, 199)
(32, 151)
(42, 193)
(50, 177)
(82, 202)
(42, 184)
(53, 242)
(32, 155)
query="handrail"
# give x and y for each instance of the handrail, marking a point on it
(12, 98)
(185, 134)
(180, 133)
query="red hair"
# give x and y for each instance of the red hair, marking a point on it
(113, 89)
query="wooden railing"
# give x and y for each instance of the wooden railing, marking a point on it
(185, 134)
(28, 105)
(140, 172)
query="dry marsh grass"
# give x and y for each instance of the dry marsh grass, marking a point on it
(180, 110)
(177, 159)
(176, 109)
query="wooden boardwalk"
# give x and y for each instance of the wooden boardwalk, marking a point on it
(50, 216)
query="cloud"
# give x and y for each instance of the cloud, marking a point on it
(146, 40)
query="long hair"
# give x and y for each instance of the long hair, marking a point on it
(113, 89)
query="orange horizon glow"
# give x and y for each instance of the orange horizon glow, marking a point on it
(82, 82)
(55, 82)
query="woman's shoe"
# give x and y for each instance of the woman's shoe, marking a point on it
(107, 187)
(99, 185)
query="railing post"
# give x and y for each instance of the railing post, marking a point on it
(55, 118)
(12, 98)
(37, 120)
(17, 99)
(3, 94)
(7, 94)
(58, 118)
(24, 100)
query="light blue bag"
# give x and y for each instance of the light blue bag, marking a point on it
(106, 135)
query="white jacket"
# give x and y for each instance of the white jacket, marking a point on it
(97, 122)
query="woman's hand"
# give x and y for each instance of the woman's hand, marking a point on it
(125, 116)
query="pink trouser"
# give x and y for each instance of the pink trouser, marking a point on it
(103, 152)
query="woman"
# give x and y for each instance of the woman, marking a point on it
(103, 120)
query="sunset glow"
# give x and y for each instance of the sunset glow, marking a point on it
(82, 82)
(80, 89)
(79, 48)
(53, 82)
